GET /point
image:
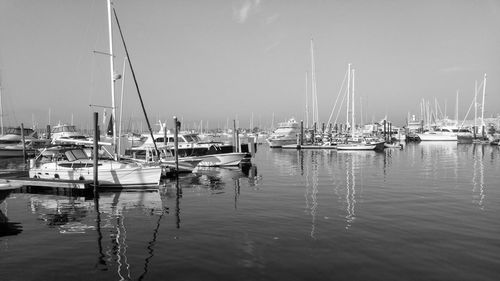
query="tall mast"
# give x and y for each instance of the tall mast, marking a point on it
(313, 84)
(475, 107)
(348, 93)
(482, 107)
(112, 76)
(307, 109)
(352, 112)
(456, 110)
(1, 110)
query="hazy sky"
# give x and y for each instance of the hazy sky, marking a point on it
(217, 60)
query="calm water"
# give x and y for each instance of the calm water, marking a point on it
(428, 212)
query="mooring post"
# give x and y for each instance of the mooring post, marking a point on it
(301, 132)
(165, 139)
(96, 152)
(235, 144)
(176, 146)
(48, 135)
(24, 143)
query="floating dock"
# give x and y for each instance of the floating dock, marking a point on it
(308, 146)
(69, 184)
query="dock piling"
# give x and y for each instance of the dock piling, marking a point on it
(96, 152)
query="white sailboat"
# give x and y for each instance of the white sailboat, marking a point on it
(76, 163)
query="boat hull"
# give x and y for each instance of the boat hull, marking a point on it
(276, 143)
(224, 159)
(437, 137)
(123, 177)
(356, 147)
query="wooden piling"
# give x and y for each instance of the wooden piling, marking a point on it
(301, 132)
(24, 143)
(176, 146)
(48, 134)
(96, 152)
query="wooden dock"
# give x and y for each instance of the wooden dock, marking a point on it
(308, 146)
(69, 184)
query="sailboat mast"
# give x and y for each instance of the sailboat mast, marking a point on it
(313, 83)
(348, 94)
(482, 107)
(112, 75)
(353, 102)
(1, 111)
(307, 109)
(456, 110)
(475, 107)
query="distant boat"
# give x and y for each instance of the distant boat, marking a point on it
(285, 134)
(439, 134)
(11, 144)
(62, 133)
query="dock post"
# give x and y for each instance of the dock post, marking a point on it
(385, 130)
(96, 152)
(24, 143)
(47, 135)
(301, 132)
(235, 143)
(165, 140)
(176, 146)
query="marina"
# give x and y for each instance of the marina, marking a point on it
(175, 140)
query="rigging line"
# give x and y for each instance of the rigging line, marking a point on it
(466, 115)
(336, 100)
(135, 82)
(341, 103)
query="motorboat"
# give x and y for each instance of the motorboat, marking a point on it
(285, 134)
(75, 163)
(211, 153)
(64, 133)
(11, 143)
(439, 134)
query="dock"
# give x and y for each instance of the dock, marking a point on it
(54, 183)
(308, 146)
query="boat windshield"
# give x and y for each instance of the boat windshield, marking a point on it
(17, 131)
(75, 154)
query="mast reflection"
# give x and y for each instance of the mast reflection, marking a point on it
(478, 176)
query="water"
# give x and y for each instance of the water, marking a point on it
(428, 212)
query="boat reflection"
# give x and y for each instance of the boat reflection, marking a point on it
(8, 228)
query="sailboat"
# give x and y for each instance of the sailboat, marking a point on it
(76, 164)
(356, 142)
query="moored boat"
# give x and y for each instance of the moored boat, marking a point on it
(285, 134)
(73, 163)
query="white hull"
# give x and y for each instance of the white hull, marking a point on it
(281, 142)
(109, 174)
(356, 146)
(437, 137)
(223, 159)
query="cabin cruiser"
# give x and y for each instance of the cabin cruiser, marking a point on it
(440, 134)
(63, 133)
(210, 153)
(75, 163)
(11, 143)
(285, 134)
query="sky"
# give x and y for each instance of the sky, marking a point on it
(217, 61)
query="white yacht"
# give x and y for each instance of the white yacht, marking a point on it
(440, 134)
(285, 134)
(66, 133)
